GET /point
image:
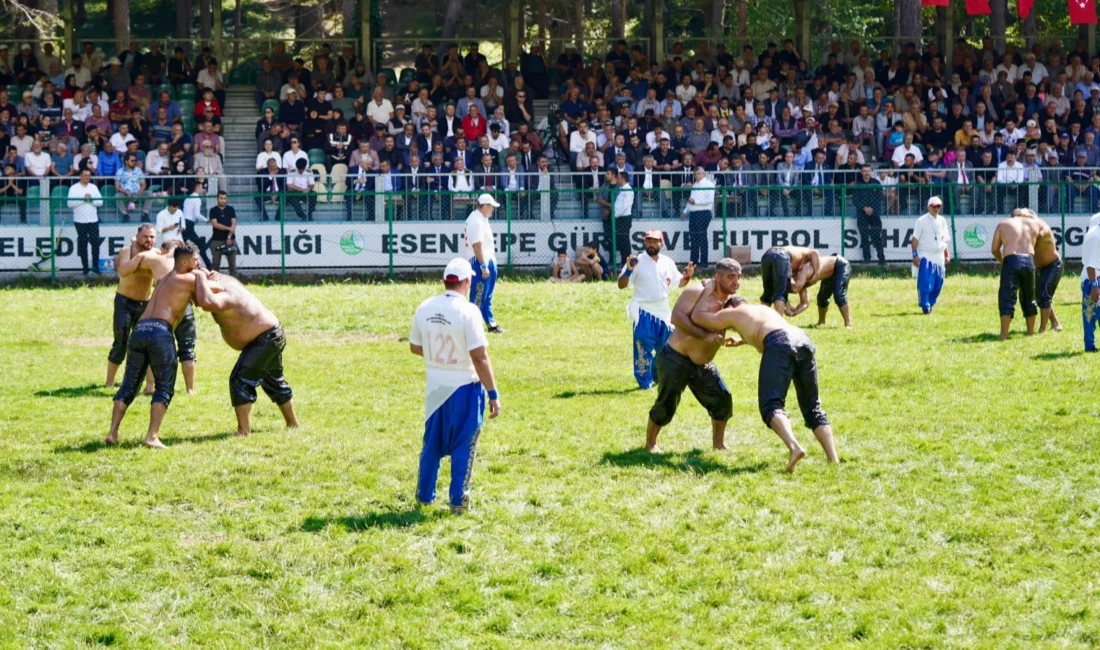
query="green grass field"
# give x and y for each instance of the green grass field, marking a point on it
(964, 513)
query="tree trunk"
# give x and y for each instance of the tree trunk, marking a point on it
(907, 25)
(718, 17)
(825, 11)
(81, 14)
(618, 29)
(1030, 28)
(997, 23)
(121, 18)
(454, 14)
(183, 22)
(647, 19)
(743, 22)
(578, 26)
(544, 31)
(237, 15)
(205, 19)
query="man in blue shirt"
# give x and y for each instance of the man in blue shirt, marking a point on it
(109, 161)
(172, 109)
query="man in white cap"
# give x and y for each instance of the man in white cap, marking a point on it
(482, 251)
(931, 237)
(652, 276)
(447, 332)
(1090, 282)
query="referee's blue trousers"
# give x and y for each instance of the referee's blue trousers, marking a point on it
(650, 335)
(452, 431)
(929, 284)
(481, 290)
(1090, 315)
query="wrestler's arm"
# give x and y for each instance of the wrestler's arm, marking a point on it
(803, 303)
(997, 244)
(682, 316)
(716, 321)
(128, 263)
(205, 296)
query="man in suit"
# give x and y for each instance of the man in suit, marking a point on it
(867, 200)
(485, 179)
(462, 152)
(272, 188)
(513, 180)
(436, 181)
(624, 168)
(426, 138)
(786, 199)
(387, 188)
(818, 178)
(960, 178)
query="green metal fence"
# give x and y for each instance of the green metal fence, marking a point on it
(392, 232)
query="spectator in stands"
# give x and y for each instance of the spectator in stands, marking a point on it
(179, 69)
(208, 101)
(292, 112)
(210, 78)
(299, 187)
(13, 189)
(140, 129)
(139, 94)
(272, 189)
(37, 161)
(293, 155)
(322, 77)
(380, 110)
(153, 64)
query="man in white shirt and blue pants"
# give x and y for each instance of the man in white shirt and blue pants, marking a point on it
(447, 332)
(931, 237)
(483, 259)
(1090, 282)
(652, 276)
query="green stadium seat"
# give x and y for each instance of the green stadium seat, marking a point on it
(391, 76)
(241, 77)
(273, 104)
(108, 192)
(187, 91)
(15, 93)
(58, 202)
(187, 106)
(317, 156)
(188, 124)
(406, 76)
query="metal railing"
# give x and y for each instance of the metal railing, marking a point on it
(407, 229)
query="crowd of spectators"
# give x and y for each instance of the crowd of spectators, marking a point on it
(117, 117)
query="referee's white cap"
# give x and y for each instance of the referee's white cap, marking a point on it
(487, 199)
(458, 270)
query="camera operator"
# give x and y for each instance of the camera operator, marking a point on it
(223, 240)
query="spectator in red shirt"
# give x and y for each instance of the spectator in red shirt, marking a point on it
(474, 125)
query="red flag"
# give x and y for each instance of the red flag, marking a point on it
(1024, 7)
(978, 8)
(939, 3)
(1082, 12)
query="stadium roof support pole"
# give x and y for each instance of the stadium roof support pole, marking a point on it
(366, 42)
(802, 27)
(217, 29)
(67, 20)
(511, 31)
(658, 50)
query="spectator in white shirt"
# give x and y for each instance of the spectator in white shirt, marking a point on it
(84, 201)
(293, 155)
(380, 109)
(907, 147)
(168, 221)
(578, 139)
(299, 187)
(37, 162)
(82, 74)
(123, 138)
(1010, 175)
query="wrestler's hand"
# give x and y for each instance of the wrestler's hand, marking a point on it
(1094, 295)
(733, 343)
(689, 270)
(716, 338)
(494, 408)
(213, 275)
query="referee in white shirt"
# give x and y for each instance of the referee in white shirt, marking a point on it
(931, 237)
(481, 248)
(699, 211)
(652, 276)
(85, 201)
(622, 211)
(446, 332)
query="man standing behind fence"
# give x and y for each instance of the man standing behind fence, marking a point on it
(482, 251)
(85, 201)
(223, 238)
(699, 211)
(867, 199)
(622, 211)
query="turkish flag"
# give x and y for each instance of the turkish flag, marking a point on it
(1082, 12)
(939, 3)
(1024, 7)
(978, 8)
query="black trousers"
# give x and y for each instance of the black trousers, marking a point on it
(127, 313)
(870, 235)
(190, 235)
(151, 345)
(698, 222)
(836, 286)
(261, 364)
(87, 245)
(789, 356)
(1047, 283)
(677, 372)
(1017, 276)
(621, 241)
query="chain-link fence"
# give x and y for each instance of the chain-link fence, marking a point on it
(396, 223)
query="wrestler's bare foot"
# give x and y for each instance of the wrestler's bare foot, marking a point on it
(1056, 328)
(847, 327)
(796, 455)
(111, 440)
(190, 391)
(721, 447)
(654, 449)
(147, 391)
(242, 434)
(154, 443)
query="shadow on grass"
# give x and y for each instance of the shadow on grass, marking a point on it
(97, 390)
(695, 460)
(984, 337)
(569, 394)
(1054, 356)
(387, 519)
(94, 446)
